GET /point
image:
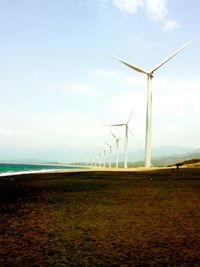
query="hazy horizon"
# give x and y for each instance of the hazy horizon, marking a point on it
(83, 156)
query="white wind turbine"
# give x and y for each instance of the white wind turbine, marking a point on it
(126, 138)
(110, 153)
(117, 147)
(104, 156)
(149, 99)
(94, 160)
(100, 159)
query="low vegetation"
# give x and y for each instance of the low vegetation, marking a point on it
(192, 162)
(101, 219)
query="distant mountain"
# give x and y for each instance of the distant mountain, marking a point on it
(159, 152)
(29, 161)
(170, 150)
(161, 156)
(172, 159)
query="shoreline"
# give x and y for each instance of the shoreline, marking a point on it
(7, 174)
(86, 169)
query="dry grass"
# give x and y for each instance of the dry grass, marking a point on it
(101, 219)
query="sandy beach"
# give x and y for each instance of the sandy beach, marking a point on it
(107, 169)
(96, 217)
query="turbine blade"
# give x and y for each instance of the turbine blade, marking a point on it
(106, 143)
(171, 56)
(130, 65)
(131, 132)
(121, 124)
(113, 135)
(130, 115)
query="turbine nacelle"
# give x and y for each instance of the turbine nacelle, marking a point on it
(150, 75)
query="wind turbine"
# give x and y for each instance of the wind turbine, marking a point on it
(149, 98)
(117, 146)
(94, 160)
(104, 155)
(126, 138)
(110, 152)
(99, 155)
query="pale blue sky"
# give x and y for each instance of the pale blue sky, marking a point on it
(59, 85)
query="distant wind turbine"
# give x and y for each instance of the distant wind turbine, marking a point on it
(126, 138)
(110, 152)
(94, 160)
(99, 155)
(104, 155)
(149, 98)
(117, 147)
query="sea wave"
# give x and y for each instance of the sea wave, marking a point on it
(10, 173)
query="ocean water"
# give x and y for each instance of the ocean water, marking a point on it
(10, 169)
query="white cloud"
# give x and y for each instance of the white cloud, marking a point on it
(83, 89)
(155, 9)
(128, 6)
(170, 25)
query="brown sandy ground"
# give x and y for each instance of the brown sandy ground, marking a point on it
(94, 218)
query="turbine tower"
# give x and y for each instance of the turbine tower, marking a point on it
(149, 98)
(126, 138)
(117, 147)
(94, 160)
(110, 152)
(104, 156)
(99, 156)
